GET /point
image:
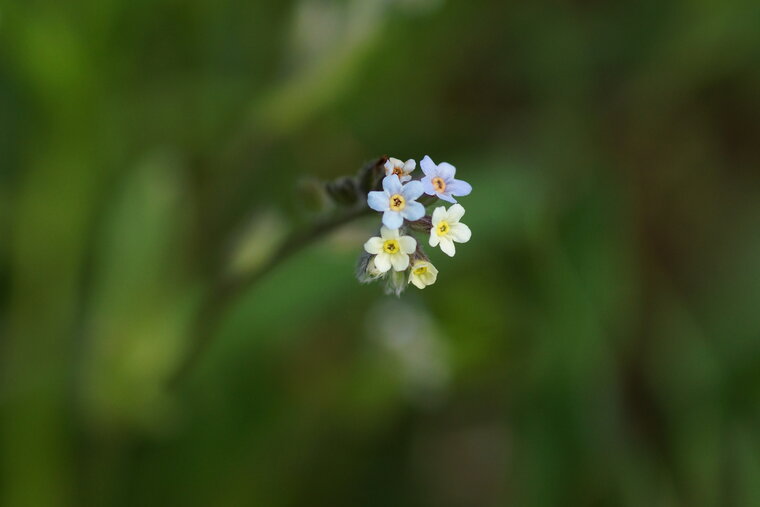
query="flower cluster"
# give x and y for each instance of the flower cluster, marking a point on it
(396, 256)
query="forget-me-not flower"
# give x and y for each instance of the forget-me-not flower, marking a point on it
(422, 274)
(390, 249)
(397, 201)
(439, 180)
(447, 229)
(400, 168)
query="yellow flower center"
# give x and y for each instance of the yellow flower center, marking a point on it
(420, 270)
(442, 228)
(391, 246)
(397, 202)
(398, 171)
(439, 184)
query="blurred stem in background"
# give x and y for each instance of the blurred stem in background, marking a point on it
(348, 194)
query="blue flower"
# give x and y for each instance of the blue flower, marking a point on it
(397, 201)
(439, 180)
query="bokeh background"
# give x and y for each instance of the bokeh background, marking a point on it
(596, 343)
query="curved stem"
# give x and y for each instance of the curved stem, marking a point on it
(226, 290)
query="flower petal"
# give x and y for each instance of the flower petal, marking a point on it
(399, 261)
(459, 187)
(387, 233)
(455, 213)
(409, 165)
(438, 214)
(427, 185)
(408, 244)
(374, 245)
(392, 184)
(378, 201)
(383, 262)
(460, 233)
(413, 211)
(392, 219)
(417, 282)
(434, 238)
(446, 197)
(448, 246)
(446, 171)
(428, 166)
(430, 277)
(412, 190)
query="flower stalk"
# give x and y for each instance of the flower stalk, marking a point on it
(385, 185)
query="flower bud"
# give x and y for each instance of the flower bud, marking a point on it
(343, 190)
(366, 271)
(422, 225)
(312, 194)
(395, 283)
(371, 175)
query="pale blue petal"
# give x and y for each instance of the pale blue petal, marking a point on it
(459, 187)
(392, 219)
(392, 184)
(427, 185)
(446, 171)
(412, 190)
(446, 197)
(378, 201)
(413, 211)
(427, 165)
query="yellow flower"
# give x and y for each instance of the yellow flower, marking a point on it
(423, 274)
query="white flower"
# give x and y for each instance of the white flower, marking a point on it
(447, 229)
(400, 168)
(423, 274)
(390, 250)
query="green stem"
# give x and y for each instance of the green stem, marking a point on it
(226, 290)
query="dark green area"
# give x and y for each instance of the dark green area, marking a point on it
(596, 343)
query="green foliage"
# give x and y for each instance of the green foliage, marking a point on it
(596, 343)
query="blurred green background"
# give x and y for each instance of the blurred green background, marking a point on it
(596, 343)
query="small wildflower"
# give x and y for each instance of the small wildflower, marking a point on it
(439, 180)
(423, 273)
(447, 229)
(390, 249)
(400, 168)
(397, 201)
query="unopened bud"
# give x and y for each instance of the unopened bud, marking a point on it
(424, 224)
(312, 194)
(366, 271)
(371, 175)
(343, 190)
(395, 283)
